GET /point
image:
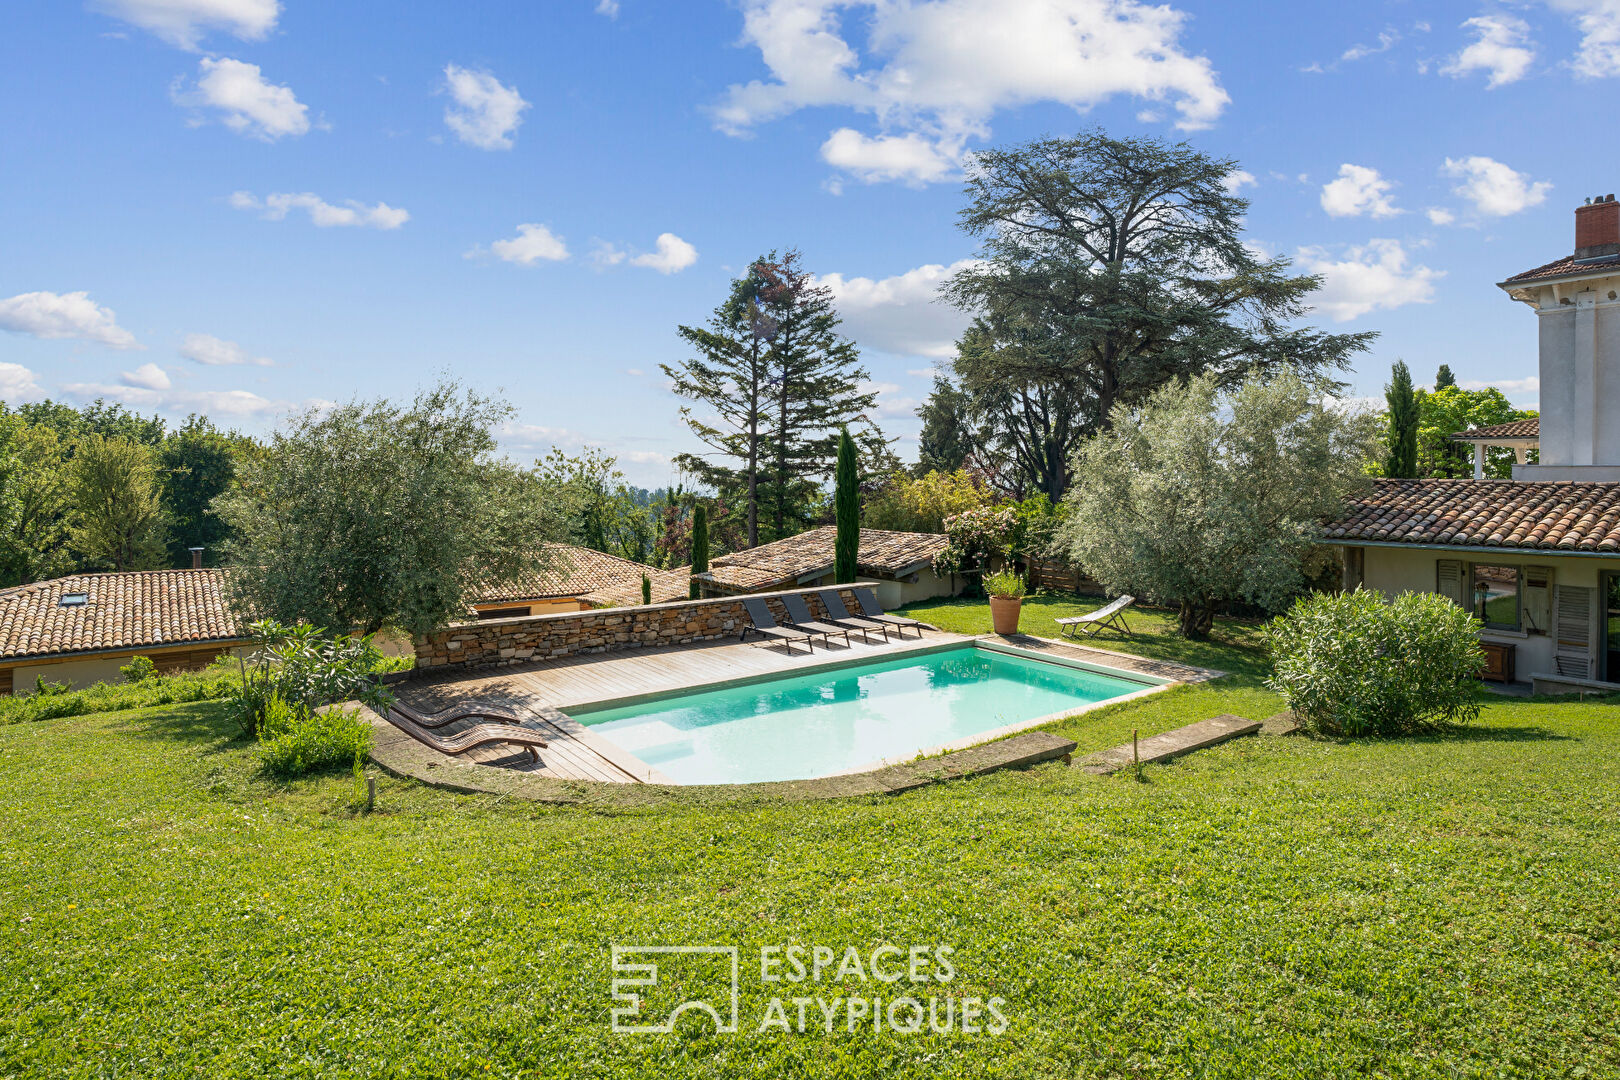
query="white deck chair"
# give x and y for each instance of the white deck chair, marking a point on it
(1111, 617)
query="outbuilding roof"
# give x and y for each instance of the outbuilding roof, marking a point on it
(97, 612)
(1539, 516)
(1516, 429)
(881, 553)
(573, 571)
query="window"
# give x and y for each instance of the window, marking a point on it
(73, 599)
(1496, 593)
(503, 612)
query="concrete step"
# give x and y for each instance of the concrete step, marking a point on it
(1170, 744)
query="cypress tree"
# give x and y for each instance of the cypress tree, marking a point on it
(847, 503)
(646, 589)
(1400, 462)
(700, 545)
(1444, 378)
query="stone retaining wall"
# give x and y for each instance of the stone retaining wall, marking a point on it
(540, 637)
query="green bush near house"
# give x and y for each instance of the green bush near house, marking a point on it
(139, 669)
(306, 667)
(295, 739)
(1356, 664)
(53, 700)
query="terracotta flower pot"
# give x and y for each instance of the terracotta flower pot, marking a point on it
(1004, 613)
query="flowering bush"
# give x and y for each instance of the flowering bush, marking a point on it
(1355, 664)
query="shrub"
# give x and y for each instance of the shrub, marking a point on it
(139, 669)
(1004, 583)
(974, 537)
(56, 700)
(1355, 664)
(295, 739)
(307, 669)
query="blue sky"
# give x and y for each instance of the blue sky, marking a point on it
(266, 204)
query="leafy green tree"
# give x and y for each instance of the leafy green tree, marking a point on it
(602, 511)
(199, 464)
(1444, 378)
(1446, 412)
(847, 498)
(109, 421)
(115, 503)
(1400, 453)
(946, 441)
(1109, 268)
(34, 544)
(922, 504)
(376, 514)
(700, 544)
(1197, 499)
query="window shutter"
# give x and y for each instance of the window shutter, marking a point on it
(1572, 631)
(1448, 581)
(1538, 584)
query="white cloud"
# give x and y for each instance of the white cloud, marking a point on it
(17, 383)
(605, 254)
(1358, 190)
(532, 244)
(64, 315)
(148, 377)
(935, 72)
(1501, 46)
(891, 400)
(610, 8)
(322, 213)
(217, 352)
(672, 255)
(1599, 23)
(184, 22)
(1493, 188)
(1370, 277)
(485, 114)
(247, 103)
(1386, 41)
(1237, 180)
(208, 402)
(1515, 389)
(901, 314)
(1439, 215)
(913, 158)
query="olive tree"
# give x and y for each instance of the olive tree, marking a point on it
(375, 514)
(1201, 496)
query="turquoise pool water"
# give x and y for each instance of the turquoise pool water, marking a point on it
(801, 726)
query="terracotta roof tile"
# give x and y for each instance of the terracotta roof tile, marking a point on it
(121, 611)
(782, 563)
(1517, 429)
(667, 585)
(1486, 513)
(575, 571)
(1565, 266)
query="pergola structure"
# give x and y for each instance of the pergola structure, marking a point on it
(1519, 436)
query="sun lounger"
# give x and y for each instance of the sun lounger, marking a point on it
(438, 720)
(839, 615)
(764, 624)
(1111, 617)
(801, 619)
(474, 737)
(874, 611)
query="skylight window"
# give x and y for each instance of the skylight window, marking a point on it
(73, 599)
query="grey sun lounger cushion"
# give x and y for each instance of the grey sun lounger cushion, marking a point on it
(839, 615)
(799, 612)
(874, 610)
(764, 624)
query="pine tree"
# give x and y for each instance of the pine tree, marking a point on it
(847, 500)
(1444, 378)
(1400, 462)
(947, 436)
(700, 546)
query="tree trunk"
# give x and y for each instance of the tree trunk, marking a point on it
(1197, 617)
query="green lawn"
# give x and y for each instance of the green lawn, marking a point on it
(1426, 907)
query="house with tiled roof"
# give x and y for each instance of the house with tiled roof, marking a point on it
(898, 565)
(575, 579)
(1537, 557)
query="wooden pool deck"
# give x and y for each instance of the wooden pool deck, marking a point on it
(542, 691)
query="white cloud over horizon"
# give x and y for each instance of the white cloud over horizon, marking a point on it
(183, 23)
(902, 314)
(935, 72)
(64, 315)
(246, 102)
(670, 255)
(1495, 189)
(1501, 47)
(1358, 190)
(1375, 276)
(1598, 21)
(533, 243)
(18, 384)
(484, 112)
(322, 214)
(148, 377)
(166, 399)
(217, 352)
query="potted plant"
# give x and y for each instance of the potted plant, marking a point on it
(1006, 591)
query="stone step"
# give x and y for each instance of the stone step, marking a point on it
(1170, 744)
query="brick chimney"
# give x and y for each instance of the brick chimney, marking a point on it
(196, 558)
(1597, 228)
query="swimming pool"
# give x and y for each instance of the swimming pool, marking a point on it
(842, 718)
